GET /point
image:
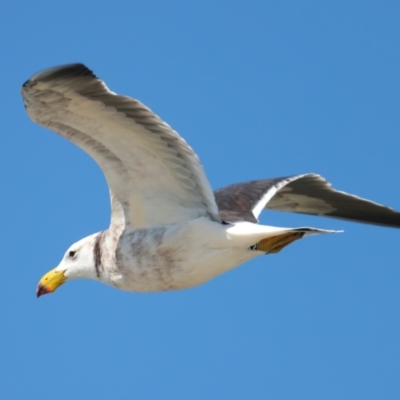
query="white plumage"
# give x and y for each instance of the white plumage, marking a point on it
(168, 229)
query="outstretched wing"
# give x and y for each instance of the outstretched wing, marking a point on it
(152, 172)
(306, 194)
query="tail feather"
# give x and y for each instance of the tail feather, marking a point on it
(269, 239)
(274, 244)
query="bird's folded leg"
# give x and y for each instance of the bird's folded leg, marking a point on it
(275, 244)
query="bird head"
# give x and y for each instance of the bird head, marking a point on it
(78, 262)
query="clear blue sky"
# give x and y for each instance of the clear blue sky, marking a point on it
(259, 89)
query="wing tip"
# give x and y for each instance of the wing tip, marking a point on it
(77, 70)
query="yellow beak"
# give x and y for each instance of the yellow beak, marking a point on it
(50, 282)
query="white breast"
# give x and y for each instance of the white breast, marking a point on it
(175, 256)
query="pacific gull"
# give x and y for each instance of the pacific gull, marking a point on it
(168, 229)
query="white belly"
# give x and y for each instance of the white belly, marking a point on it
(176, 256)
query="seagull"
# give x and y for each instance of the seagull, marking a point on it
(168, 230)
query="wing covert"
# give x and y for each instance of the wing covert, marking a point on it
(305, 194)
(151, 170)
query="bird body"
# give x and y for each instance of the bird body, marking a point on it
(173, 256)
(168, 230)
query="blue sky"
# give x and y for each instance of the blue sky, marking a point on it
(259, 89)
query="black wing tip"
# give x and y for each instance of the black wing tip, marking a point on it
(67, 71)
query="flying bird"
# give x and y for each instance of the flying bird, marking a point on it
(168, 230)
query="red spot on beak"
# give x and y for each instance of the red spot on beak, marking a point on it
(41, 290)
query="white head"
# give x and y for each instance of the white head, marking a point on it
(78, 262)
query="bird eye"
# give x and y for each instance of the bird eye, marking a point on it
(71, 254)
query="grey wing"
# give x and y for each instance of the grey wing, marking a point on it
(306, 194)
(244, 201)
(154, 176)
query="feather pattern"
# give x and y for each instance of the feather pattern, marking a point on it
(305, 194)
(153, 173)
